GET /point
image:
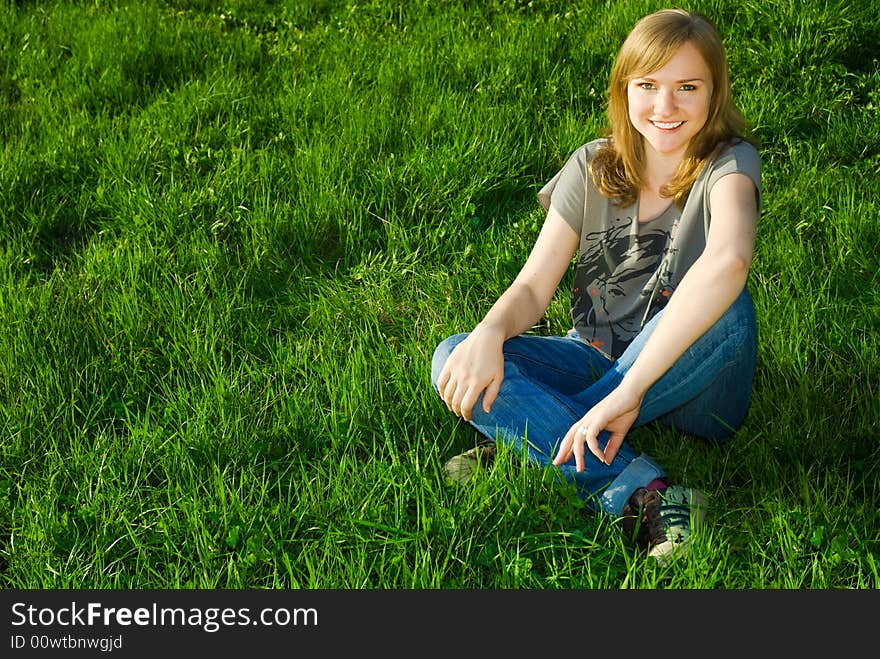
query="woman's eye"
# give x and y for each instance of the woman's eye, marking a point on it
(646, 85)
(688, 88)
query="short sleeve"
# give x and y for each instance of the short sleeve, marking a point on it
(566, 190)
(742, 158)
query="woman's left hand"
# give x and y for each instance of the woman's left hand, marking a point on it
(615, 413)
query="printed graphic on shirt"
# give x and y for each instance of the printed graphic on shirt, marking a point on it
(614, 279)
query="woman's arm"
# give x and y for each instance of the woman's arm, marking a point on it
(477, 363)
(706, 291)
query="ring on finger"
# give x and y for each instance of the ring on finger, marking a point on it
(582, 430)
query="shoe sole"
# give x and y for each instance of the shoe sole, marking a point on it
(461, 467)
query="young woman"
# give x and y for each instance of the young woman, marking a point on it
(661, 214)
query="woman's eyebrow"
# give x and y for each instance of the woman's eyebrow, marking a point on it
(650, 79)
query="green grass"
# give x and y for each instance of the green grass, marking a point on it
(231, 235)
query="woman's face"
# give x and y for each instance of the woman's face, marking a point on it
(669, 106)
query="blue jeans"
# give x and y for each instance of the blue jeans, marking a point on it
(551, 381)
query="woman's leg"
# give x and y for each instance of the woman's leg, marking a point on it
(706, 392)
(720, 408)
(535, 405)
(550, 382)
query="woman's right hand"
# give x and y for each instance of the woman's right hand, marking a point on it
(475, 366)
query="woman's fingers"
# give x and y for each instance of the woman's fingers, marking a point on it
(467, 402)
(591, 439)
(581, 434)
(564, 452)
(587, 434)
(442, 381)
(613, 446)
(456, 397)
(491, 394)
(473, 368)
(460, 395)
(460, 398)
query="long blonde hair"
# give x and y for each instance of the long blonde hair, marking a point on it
(618, 168)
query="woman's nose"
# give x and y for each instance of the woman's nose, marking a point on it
(664, 102)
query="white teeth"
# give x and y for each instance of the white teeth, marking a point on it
(675, 124)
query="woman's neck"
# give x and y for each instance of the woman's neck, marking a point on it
(659, 169)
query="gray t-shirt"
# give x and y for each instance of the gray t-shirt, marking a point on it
(626, 270)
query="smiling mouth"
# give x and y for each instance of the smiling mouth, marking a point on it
(667, 125)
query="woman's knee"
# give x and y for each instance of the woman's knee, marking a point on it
(740, 327)
(709, 425)
(735, 333)
(742, 312)
(441, 354)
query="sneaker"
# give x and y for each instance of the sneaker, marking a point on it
(661, 521)
(462, 466)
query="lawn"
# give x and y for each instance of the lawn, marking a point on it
(231, 235)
